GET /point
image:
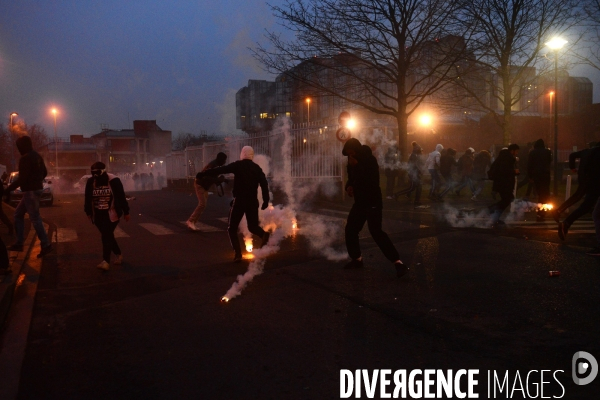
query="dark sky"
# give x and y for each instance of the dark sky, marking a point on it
(178, 61)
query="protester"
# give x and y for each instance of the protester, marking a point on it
(104, 205)
(248, 176)
(523, 161)
(160, 181)
(201, 186)
(3, 216)
(481, 163)
(538, 171)
(136, 181)
(415, 166)
(503, 171)
(151, 181)
(465, 170)
(392, 170)
(32, 172)
(363, 185)
(447, 166)
(433, 165)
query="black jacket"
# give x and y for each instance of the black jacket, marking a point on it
(119, 202)
(207, 181)
(364, 179)
(539, 160)
(32, 172)
(248, 176)
(584, 157)
(447, 161)
(502, 172)
(591, 175)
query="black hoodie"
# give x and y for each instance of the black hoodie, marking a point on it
(364, 179)
(502, 172)
(539, 160)
(32, 169)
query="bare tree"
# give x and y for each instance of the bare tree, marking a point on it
(385, 56)
(508, 44)
(589, 53)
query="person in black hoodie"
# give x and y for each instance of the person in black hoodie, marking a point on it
(538, 170)
(32, 172)
(248, 176)
(503, 171)
(104, 205)
(363, 185)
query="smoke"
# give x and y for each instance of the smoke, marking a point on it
(470, 218)
(384, 149)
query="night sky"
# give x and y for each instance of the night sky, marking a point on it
(179, 62)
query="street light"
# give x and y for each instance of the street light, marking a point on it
(556, 44)
(14, 162)
(55, 144)
(308, 107)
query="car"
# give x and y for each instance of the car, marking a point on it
(16, 195)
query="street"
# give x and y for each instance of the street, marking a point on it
(154, 327)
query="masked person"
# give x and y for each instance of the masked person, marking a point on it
(201, 186)
(105, 204)
(363, 185)
(503, 172)
(32, 172)
(248, 176)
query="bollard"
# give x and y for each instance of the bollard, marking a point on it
(568, 189)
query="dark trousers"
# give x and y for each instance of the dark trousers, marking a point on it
(372, 216)
(239, 208)
(541, 183)
(585, 207)
(413, 185)
(3, 253)
(506, 197)
(107, 230)
(4, 218)
(574, 198)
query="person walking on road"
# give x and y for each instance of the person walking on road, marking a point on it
(201, 186)
(415, 166)
(363, 186)
(503, 172)
(105, 204)
(32, 172)
(248, 176)
(3, 216)
(433, 166)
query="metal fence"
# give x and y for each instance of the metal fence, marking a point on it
(305, 153)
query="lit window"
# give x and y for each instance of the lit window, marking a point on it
(288, 114)
(264, 115)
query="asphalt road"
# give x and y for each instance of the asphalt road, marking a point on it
(154, 328)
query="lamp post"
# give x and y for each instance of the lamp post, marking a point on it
(308, 108)
(556, 44)
(10, 128)
(55, 144)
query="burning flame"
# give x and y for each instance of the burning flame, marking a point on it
(248, 256)
(248, 243)
(294, 224)
(545, 207)
(224, 299)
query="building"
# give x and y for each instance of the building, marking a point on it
(75, 156)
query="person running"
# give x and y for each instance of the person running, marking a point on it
(201, 186)
(248, 176)
(415, 166)
(5, 220)
(363, 186)
(433, 166)
(105, 204)
(481, 163)
(32, 172)
(503, 171)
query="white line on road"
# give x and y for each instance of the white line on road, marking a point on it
(66, 235)
(156, 229)
(204, 227)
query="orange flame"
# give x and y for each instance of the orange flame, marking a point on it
(224, 299)
(248, 257)
(248, 243)
(294, 224)
(546, 207)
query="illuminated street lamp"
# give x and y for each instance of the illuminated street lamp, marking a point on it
(308, 108)
(55, 143)
(556, 44)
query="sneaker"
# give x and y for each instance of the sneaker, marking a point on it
(265, 239)
(16, 247)
(119, 260)
(401, 269)
(237, 258)
(191, 225)
(44, 251)
(103, 266)
(354, 264)
(562, 232)
(594, 252)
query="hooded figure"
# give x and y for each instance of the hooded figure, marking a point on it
(32, 172)
(248, 176)
(363, 185)
(105, 204)
(503, 171)
(201, 186)
(538, 170)
(433, 166)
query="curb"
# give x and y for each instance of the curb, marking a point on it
(9, 281)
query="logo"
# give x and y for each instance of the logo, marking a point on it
(585, 368)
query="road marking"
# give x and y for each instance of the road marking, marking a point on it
(204, 227)
(64, 235)
(224, 219)
(120, 233)
(156, 229)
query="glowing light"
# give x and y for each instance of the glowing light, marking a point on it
(248, 243)
(308, 101)
(425, 120)
(556, 43)
(294, 224)
(545, 207)
(351, 124)
(304, 140)
(224, 299)
(551, 93)
(248, 257)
